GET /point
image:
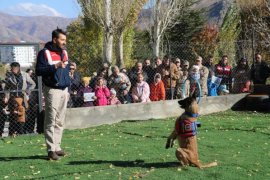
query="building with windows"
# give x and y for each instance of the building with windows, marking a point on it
(23, 53)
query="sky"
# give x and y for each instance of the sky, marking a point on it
(62, 8)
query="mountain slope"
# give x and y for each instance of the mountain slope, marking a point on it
(38, 28)
(34, 29)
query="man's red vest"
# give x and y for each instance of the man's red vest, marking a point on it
(54, 57)
(223, 71)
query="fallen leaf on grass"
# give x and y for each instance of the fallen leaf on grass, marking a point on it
(140, 175)
(35, 173)
(152, 169)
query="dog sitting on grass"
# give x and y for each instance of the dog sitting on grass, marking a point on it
(185, 131)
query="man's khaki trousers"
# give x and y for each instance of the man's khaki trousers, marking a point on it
(55, 112)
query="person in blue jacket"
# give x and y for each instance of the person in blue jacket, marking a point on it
(53, 66)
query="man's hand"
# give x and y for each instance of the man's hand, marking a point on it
(60, 65)
(74, 64)
(167, 73)
(125, 92)
(202, 73)
(71, 75)
(185, 73)
(5, 100)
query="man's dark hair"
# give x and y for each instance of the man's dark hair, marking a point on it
(138, 62)
(258, 54)
(166, 57)
(101, 70)
(241, 60)
(147, 59)
(210, 56)
(156, 58)
(28, 70)
(15, 64)
(57, 32)
(225, 56)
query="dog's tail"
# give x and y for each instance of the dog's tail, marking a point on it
(212, 164)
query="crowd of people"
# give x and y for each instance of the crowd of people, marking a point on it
(165, 79)
(18, 101)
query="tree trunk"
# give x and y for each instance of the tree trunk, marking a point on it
(156, 39)
(119, 50)
(155, 47)
(108, 34)
(107, 47)
(157, 25)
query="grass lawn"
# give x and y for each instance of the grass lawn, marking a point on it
(238, 141)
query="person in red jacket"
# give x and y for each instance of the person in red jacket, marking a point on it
(224, 70)
(157, 90)
(102, 93)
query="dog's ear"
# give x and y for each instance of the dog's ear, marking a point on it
(192, 95)
(182, 103)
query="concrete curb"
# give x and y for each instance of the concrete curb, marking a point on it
(80, 118)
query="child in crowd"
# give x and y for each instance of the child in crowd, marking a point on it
(157, 90)
(194, 79)
(113, 99)
(85, 90)
(141, 91)
(102, 93)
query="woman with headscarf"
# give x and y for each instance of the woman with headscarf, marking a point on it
(241, 77)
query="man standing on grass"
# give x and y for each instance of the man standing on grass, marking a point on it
(53, 66)
(260, 70)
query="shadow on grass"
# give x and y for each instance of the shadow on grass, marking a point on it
(136, 163)
(254, 130)
(146, 136)
(23, 158)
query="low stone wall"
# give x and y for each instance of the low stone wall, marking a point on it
(79, 118)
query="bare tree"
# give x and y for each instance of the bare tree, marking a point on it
(100, 11)
(126, 18)
(113, 16)
(164, 14)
